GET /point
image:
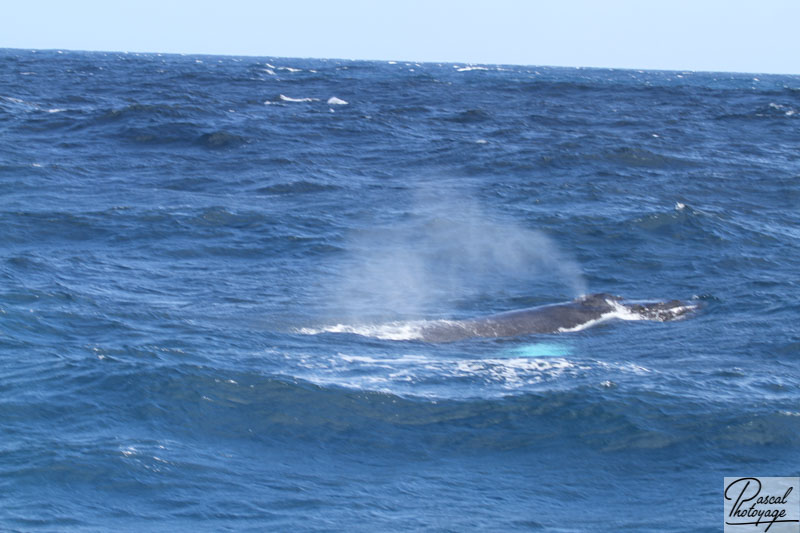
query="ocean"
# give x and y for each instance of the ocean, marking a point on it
(214, 271)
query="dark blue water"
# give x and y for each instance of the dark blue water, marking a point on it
(212, 272)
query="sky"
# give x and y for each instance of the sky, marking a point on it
(759, 36)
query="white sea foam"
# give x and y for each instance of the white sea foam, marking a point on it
(514, 373)
(285, 98)
(29, 106)
(470, 68)
(395, 331)
(420, 375)
(786, 109)
(13, 100)
(406, 373)
(336, 101)
(129, 451)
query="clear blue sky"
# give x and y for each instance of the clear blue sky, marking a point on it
(734, 35)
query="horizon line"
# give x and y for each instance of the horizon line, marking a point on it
(417, 62)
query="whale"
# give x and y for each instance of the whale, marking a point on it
(580, 313)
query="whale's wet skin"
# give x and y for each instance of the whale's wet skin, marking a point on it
(578, 314)
(581, 313)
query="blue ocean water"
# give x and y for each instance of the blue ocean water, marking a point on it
(212, 270)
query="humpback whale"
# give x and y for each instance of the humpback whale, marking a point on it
(578, 314)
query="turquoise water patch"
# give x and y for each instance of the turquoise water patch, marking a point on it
(540, 349)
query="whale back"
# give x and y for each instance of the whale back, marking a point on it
(662, 311)
(543, 319)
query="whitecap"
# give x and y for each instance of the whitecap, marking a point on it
(336, 101)
(290, 99)
(129, 451)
